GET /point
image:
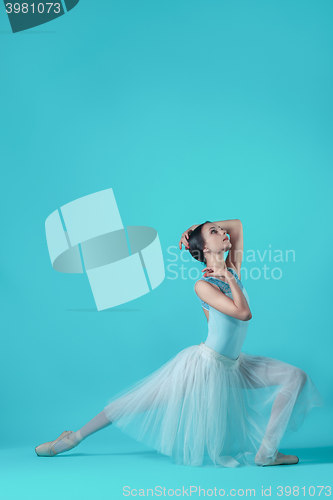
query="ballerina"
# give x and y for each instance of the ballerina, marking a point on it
(211, 403)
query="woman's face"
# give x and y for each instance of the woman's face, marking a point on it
(216, 238)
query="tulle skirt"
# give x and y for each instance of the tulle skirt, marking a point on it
(203, 408)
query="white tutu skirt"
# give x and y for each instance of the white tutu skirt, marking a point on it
(202, 408)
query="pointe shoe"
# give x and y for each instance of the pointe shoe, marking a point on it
(280, 460)
(47, 450)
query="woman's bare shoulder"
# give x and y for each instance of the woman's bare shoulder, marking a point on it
(203, 285)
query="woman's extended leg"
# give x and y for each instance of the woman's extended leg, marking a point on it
(131, 400)
(95, 424)
(100, 420)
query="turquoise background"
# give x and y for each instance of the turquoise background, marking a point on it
(190, 111)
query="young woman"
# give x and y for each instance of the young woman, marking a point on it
(211, 403)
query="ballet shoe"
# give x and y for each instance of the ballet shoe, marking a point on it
(279, 460)
(47, 450)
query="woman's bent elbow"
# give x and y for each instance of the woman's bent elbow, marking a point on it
(247, 316)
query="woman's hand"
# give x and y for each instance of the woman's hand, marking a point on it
(217, 272)
(185, 236)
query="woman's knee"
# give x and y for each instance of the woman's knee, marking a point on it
(299, 377)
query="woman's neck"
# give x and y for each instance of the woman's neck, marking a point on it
(216, 262)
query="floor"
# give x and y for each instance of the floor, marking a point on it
(121, 468)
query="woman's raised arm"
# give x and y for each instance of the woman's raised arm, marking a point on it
(234, 228)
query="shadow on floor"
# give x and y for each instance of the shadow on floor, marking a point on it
(307, 456)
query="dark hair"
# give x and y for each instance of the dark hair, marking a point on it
(196, 243)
